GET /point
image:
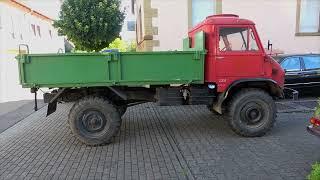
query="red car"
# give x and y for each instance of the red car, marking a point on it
(314, 127)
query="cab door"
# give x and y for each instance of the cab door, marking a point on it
(239, 54)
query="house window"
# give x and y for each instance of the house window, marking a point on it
(131, 26)
(33, 27)
(201, 9)
(39, 31)
(308, 17)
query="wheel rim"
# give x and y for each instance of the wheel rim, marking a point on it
(94, 122)
(252, 114)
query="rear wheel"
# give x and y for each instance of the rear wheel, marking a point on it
(252, 113)
(94, 121)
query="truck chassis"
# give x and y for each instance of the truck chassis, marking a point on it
(95, 117)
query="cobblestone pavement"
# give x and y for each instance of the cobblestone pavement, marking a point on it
(13, 112)
(158, 143)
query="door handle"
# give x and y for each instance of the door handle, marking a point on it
(219, 57)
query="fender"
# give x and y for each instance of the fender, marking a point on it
(274, 89)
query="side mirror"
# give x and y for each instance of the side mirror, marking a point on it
(269, 45)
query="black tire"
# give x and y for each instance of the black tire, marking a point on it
(94, 121)
(252, 113)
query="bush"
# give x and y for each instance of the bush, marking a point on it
(315, 173)
(317, 111)
(122, 45)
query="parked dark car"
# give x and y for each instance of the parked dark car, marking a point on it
(302, 71)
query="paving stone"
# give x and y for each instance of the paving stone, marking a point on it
(182, 142)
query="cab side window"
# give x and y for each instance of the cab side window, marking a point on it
(291, 64)
(253, 46)
(237, 39)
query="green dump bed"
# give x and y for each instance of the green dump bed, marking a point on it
(113, 69)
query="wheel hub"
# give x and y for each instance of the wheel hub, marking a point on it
(93, 121)
(251, 114)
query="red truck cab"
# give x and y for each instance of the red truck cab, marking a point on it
(235, 54)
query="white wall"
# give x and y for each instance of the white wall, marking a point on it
(129, 36)
(172, 23)
(275, 21)
(10, 89)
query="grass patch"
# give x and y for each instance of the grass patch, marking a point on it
(315, 173)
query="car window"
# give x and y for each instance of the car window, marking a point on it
(291, 64)
(311, 62)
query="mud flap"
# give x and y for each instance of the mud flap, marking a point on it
(217, 106)
(52, 107)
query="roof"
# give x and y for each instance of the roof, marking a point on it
(27, 9)
(224, 19)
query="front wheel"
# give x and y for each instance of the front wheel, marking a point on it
(252, 113)
(94, 121)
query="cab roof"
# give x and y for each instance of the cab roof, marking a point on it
(224, 19)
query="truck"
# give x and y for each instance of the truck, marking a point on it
(223, 65)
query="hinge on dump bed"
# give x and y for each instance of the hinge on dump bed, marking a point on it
(25, 59)
(197, 55)
(113, 56)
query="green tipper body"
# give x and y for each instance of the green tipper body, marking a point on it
(113, 69)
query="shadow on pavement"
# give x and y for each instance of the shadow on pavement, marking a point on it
(13, 112)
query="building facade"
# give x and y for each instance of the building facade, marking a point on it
(293, 26)
(128, 32)
(19, 24)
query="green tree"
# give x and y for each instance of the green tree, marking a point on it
(90, 24)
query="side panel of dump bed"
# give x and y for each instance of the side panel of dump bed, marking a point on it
(132, 69)
(115, 69)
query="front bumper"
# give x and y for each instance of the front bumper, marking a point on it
(313, 130)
